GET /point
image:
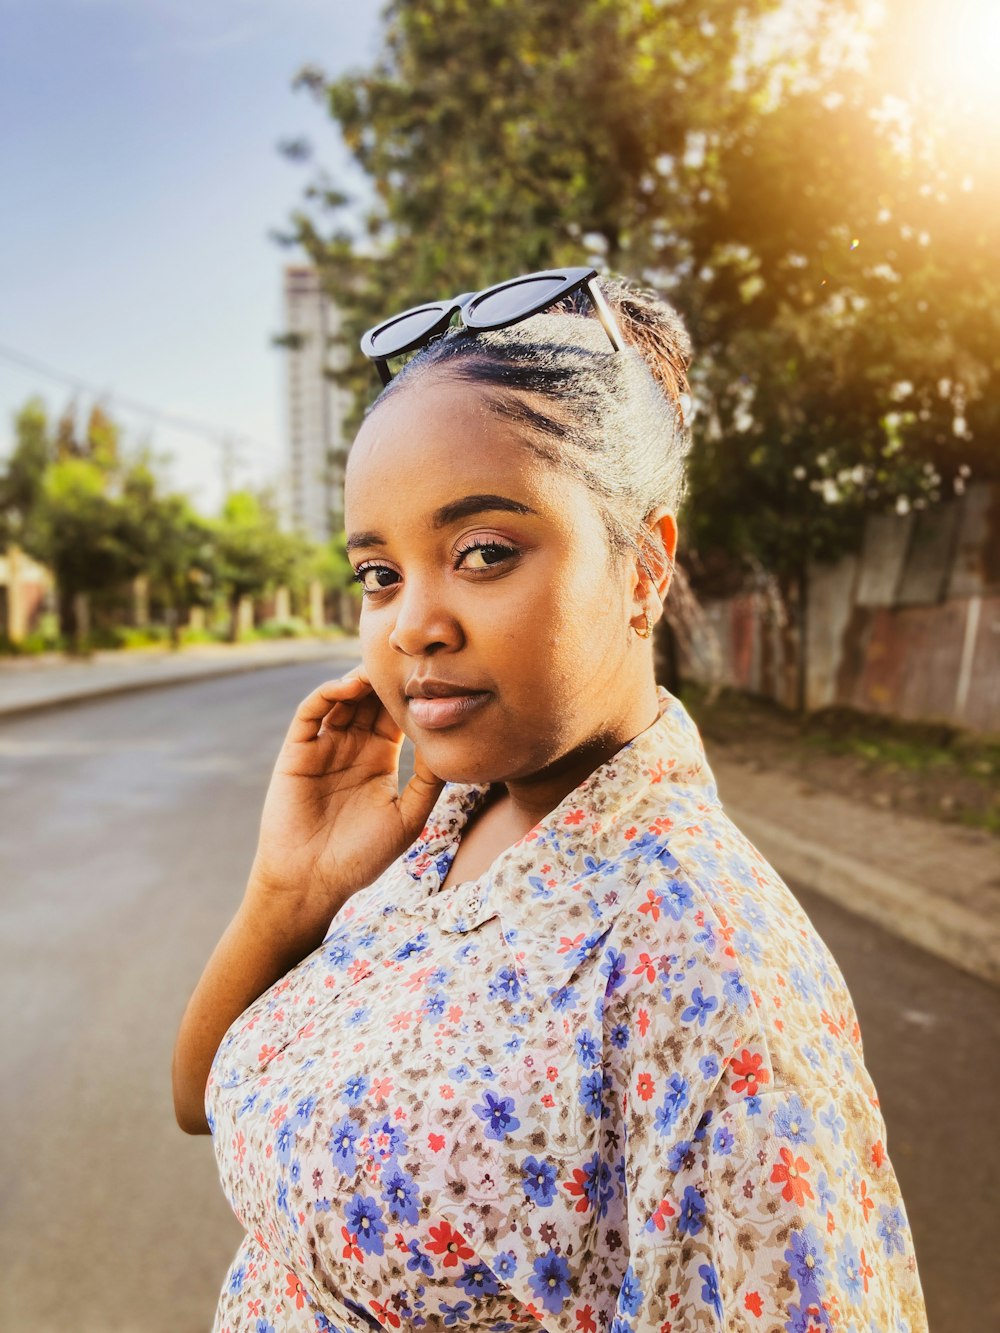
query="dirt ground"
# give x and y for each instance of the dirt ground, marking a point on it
(931, 771)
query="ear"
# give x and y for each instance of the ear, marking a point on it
(654, 570)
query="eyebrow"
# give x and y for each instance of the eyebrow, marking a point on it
(451, 513)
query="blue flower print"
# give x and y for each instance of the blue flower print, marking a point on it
(676, 898)
(825, 1197)
(593, 1089)
(505, 1264)
(498, 1115)
(237, 1277)
(387, 1139)
(477, 1280)
(342, 1143)
(550, 1281)
(435, 1005)
(283, 1141)
(419, 1262)
(457, 1313)
(792, 1121)
(630, 1297)
(722, 1143)
(710, 1288)
(709, 1067)
(265, 1326)
(806, 1261)
(539, 1181)
(505, 985)
(832, 1120)
(620, 1036)
(849, 1269)
(889, 1229)
(364, 1216)
(400, 1192)
(355, 1088)
(701, 1129)
(587, 1050)
(677, 1154)
(407, 950)
(563, 998)
(691, 1218)
(700, 1007)
(673, 1102)
(304, 1110)
(810, 1318)
(613, 968)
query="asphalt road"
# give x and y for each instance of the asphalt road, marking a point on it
(127, 827)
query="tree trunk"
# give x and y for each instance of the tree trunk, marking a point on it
(802, 626)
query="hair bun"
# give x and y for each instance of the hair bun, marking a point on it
(656, 331)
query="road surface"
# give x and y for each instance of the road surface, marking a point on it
(126, 834)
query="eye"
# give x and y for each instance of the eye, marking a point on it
(375, 578)
(485, 555)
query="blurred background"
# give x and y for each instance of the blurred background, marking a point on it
(203, 205)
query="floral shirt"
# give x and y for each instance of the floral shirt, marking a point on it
(614, 1084)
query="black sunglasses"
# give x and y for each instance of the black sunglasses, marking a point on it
(493, 308)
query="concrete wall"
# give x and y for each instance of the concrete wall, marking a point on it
(909, 626)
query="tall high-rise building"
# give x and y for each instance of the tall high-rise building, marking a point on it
(316, 408)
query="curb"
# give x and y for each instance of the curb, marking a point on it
(946, 929)
(74, 697)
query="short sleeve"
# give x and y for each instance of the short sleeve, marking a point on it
(777, 1209)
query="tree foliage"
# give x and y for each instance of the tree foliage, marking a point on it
(830, 236)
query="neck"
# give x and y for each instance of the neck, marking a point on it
(528, 800)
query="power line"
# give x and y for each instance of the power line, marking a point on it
(218, 435)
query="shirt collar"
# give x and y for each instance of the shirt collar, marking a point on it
(559, 889)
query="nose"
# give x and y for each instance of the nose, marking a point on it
(422, 624)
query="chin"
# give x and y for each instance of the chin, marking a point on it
(462, 763)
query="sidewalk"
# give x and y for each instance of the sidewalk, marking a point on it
(936, 885)
(29, 685)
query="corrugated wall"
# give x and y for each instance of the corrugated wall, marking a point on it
(910, 626)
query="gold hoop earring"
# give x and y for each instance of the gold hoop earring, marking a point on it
(647, 626)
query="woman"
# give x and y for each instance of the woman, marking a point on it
(569, 1055)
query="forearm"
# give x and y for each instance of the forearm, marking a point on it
(260, 944)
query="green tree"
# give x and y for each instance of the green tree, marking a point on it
(829, 233)
(252, 554)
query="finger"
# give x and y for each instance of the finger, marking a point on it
(314, 708)
(417, 798)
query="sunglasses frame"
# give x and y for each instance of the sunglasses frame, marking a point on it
(465, 306)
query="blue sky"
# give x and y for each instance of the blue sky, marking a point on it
(139, 179)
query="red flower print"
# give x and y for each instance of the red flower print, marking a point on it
(664, 1209)
(645, 965)
(551, 1073)
(254, 1307)
(878, 1153)
(455, 1013)
(565, 944)
(645, 1086)
(790, 1173)
(548, 1100)
(864, 1270)
(573, 817)
(749, 1075)
(351, 1250)
(380, 1089)
(630, 833)
(435, 1142)
(386, 1315)
(359, 969)
(296, 1289)
(643, 1022)
(753, 1303)
(585, 1321)
(452, 1244)
(652, 905)
(865, 1199)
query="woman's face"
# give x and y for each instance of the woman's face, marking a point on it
(495, 626)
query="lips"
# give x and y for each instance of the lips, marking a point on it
(434, 704)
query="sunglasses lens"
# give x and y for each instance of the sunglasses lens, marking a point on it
(401, 334)
(514, 301)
